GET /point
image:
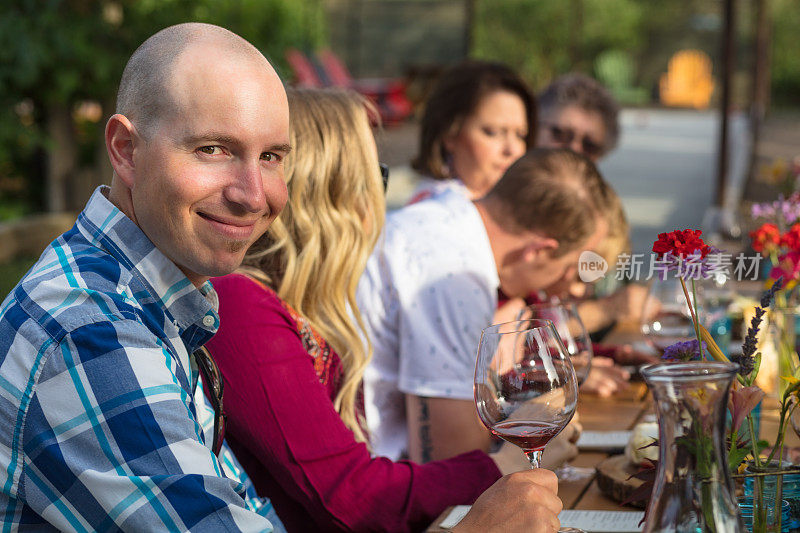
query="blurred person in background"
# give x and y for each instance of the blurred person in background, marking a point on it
(578, 113)
(479, 119)
(433, 283)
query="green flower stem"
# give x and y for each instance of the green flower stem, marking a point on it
(708, 507)
(733, 437)
(753, 440)
(694, 316)
(759, 510)
(786, 409)
(697, 324)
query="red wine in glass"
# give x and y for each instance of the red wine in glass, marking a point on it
(527, 435)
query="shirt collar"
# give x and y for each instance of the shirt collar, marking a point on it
(193, 311)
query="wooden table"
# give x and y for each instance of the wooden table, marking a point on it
(621, 412)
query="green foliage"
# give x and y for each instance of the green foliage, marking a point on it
(737, 455)
(542, 38)
(62, 52)
(785, 56)
(12, 272)
(10, 210)
(615, 70)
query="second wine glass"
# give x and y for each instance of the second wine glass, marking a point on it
(666, 318)
(525, 386)
(570, 329)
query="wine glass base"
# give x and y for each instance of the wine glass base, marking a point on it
(567, 472)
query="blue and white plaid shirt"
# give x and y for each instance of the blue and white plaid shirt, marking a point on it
(98, 428)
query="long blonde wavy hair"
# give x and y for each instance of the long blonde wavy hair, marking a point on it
(315, 252)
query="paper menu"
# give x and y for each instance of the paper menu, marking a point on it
(603, 440)
(589, 521)
(455, 516)
(602, 521)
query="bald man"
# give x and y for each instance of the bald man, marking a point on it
(99, 426)
(99, 342)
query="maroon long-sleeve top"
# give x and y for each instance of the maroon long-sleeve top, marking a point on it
(284, 430)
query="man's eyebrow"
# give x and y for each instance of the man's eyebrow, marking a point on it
(224, 138)
(285, 148)
(210, 136)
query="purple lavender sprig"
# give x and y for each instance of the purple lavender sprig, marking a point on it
(769, 294)
(747, 359)
(683, 351)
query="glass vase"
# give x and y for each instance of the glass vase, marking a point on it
(765, 485)
(693, 490)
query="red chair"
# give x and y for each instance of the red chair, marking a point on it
(303, 71)
(389, 95)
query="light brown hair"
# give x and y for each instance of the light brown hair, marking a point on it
(315, 252)
(552, 191)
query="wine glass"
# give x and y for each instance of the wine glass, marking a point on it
(525, 386)
(570, 328)
(666, 318)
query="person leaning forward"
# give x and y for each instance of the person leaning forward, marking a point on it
(96, 341)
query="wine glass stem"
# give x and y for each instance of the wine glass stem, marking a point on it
(534, 457)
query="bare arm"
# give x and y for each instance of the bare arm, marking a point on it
(439, 428)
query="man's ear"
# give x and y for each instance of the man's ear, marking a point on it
(537, 246)
(120, 136)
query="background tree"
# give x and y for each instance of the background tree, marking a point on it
(60, 63)
(786, 53)
(544, 39)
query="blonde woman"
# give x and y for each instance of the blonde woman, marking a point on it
(291, 354)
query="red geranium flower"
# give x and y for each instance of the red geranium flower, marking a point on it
(681, 243)
(788, 267)
(766, 237)
(791, 239)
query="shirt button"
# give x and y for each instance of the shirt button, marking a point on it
(208, 321)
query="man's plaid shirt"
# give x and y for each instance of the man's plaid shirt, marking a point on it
(98, 429)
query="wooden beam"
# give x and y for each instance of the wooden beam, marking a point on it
(760, 88)
(728, 65)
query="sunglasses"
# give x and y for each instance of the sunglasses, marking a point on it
(564, 135)
(212, 377)
(385, 175)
